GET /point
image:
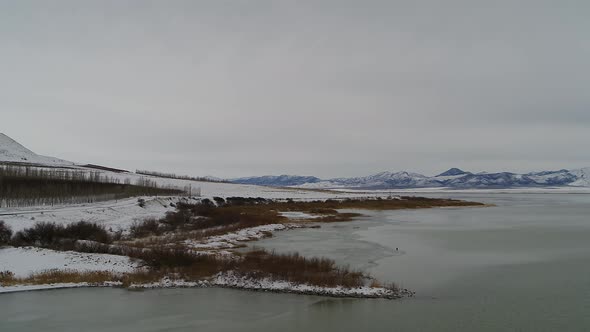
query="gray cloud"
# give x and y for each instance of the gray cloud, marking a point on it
(330, 88)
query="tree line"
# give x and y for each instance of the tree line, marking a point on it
(179, 177)
(30, 186)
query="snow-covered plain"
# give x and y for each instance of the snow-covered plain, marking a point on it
(27, 260)
(114, 215)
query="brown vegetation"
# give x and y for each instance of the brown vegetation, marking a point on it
(5, 233)
(298, 269)
(204, 219)
(257, 264)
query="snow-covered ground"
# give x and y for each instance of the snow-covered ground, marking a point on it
(296, 215)
(27, 260)
(114, 215)
(234, 239)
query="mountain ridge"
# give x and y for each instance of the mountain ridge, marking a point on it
(452, 178)
(12, 152)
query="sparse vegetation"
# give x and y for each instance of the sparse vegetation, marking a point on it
(145, 228)
(59, 237)
(183, 265)
(209, 218)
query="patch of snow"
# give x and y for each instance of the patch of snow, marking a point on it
(25, 288)
(298, 215)
(583, 176)
(27, 260)
(232, 240)
(166, 282)
(233, 280)
(114, 215)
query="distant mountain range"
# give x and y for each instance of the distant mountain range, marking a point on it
(452, 178)
(12, 152)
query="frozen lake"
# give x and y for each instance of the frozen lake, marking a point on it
(523, 265)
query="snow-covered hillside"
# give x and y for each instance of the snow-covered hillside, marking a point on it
(13, 152)
(583, 177)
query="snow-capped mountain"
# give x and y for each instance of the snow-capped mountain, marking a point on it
(453, 172)
(453, 178)
(277, 181)
(583, 177)
(13, 152)
(385, 180)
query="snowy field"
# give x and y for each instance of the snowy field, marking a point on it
(25, 261)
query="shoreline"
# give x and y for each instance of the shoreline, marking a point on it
(243, 284)
(220, 244)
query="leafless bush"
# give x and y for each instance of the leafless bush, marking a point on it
(5, 233)
(59, 237)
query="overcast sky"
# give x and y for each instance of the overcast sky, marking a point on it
(326, 88)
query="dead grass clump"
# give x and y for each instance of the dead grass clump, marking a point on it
(5, 233)
(6, 277)
(59, 276)
(145, 228)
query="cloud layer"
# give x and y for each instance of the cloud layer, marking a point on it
(329, 88)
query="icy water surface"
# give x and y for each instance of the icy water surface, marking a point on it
(521, 266)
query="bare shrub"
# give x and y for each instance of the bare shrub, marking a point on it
(5, 233)
(59, 237)
(295, 268)
(145, 228)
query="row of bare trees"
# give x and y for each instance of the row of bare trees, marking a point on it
(22, 186)
(179, 177)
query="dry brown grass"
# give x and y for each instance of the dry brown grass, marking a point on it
(61, 276)
(77, 277)
(200, 221)
(317, 271)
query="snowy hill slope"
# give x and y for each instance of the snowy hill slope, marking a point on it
(13, 152)
(583, 177)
